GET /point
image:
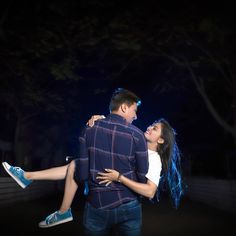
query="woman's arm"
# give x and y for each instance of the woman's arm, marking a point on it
(147, 190)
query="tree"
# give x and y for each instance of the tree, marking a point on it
(51, 49)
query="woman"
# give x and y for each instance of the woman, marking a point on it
(164, 162)
(164, 158)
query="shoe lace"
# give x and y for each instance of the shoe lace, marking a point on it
(18, 170)
(51, 218)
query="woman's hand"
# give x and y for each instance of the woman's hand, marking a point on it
(93, 119)
(108, 176)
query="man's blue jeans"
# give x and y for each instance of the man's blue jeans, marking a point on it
(127, 218)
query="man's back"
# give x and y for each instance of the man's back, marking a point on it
(112, 143)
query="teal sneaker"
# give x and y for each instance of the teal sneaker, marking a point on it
(56, 218)
(17, 174)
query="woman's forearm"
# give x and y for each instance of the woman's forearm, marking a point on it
(147, 190)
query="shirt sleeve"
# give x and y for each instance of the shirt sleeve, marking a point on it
(154, 170)
(83, 159)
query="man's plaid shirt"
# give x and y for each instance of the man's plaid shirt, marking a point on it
(111, 143)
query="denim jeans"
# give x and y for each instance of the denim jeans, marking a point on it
(127, 218)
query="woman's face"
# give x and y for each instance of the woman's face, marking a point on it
(153, 133)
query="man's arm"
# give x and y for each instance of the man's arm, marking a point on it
(141, 158)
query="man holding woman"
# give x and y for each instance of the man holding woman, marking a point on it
(114, 143)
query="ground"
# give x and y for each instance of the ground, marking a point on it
(161, 219)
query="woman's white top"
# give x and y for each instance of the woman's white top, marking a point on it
(155, 167)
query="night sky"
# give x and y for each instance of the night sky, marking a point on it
(61, 60)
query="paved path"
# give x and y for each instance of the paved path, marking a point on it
(189, 220)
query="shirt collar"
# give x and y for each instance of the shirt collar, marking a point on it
(116, 117)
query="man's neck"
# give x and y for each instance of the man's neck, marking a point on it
(118, 113)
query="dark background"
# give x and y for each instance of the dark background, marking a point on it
(60, 61)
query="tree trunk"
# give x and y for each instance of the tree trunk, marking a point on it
(20, 144)
(234, 107)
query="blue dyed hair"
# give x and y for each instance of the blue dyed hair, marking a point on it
(171, 163)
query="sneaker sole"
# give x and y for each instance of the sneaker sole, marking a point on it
(4, 164)
(56, 223)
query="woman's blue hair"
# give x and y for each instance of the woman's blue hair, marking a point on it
(174, 176)
(171, 176)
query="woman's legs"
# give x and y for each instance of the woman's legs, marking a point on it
(70, 188)
(58, 173)
(55, 173)
(64, 214)
(25, 178)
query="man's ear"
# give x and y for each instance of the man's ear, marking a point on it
(123, 107)
(160, 141)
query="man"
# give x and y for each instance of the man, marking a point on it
(113, 143)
